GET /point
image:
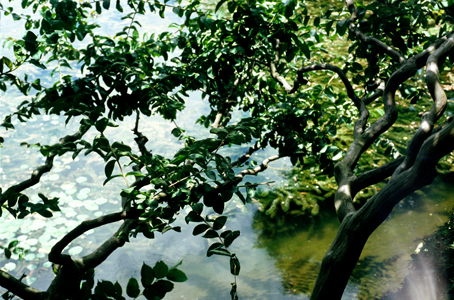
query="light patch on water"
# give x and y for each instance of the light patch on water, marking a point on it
(423, 285)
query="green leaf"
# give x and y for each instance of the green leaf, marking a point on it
(234, 265)
(220, 251)
(106, 4)
(306, 50)
(215, 246)
(147, 275)
(121, 147)
(128, 190)
(193, 217)
(210, 234)
(228, 240)
(98, 8)
(211, 175)
(109, 168)
(176, 266)
(341, 27)
(160, 269)
(132, 289)
(8, 253)
(176, 275)
(219, 222)
(118, 6)
(197, 208)
(135, 173)
(219, 131)
(238, 193)
(218, 204)
(45, 213)
(6, 61)
(177, 132)
(101, 124)
(201, 228)
(338, 156)
(219, 5)
(110, 178)
(328, 26)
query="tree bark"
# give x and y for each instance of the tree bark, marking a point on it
(355, 229)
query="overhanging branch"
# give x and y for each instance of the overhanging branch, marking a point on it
(429, 118)
(19, 288)
(38, 172)
(56, 255)
(393, 53)
(350, 92)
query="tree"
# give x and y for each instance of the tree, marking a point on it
(242, 60)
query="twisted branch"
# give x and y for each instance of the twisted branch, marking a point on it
(429, 118)
(38, 172)
(393, 53)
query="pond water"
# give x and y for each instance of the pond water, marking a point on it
(280, 258)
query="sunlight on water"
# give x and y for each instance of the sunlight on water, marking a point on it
(424, 286)
(423, 282)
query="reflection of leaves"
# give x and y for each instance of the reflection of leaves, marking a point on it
(366, 273)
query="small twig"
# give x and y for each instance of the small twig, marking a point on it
(256, 184)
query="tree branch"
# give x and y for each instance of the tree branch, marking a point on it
(140, 139)
(247, 155)
(375, 95)
(263, 166)
(95, 258)
(19, 288)
(362, 141)
(356, 227)
(273, 70)
(376, 175)
(350, 92)
(429, 118)
(393, 53)
(56, 255)
(38, 172)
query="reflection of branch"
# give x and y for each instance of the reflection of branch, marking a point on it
(38, 172)
(370, 40)
(17, 287)
(356, 227)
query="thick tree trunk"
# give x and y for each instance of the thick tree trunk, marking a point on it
(356, 227)
(413, 172)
